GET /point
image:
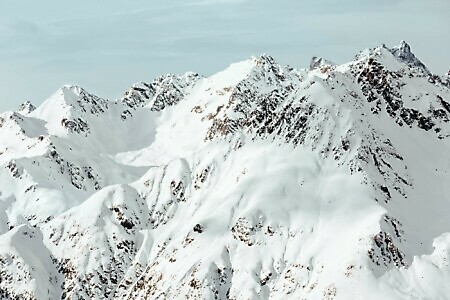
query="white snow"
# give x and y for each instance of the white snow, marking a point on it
(259, 182)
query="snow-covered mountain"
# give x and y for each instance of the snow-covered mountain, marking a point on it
(261, 181)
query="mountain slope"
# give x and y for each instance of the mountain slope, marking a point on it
(261, 181)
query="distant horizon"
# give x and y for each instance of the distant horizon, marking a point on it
(107, 48)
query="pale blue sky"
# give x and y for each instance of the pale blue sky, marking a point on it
(106, 45)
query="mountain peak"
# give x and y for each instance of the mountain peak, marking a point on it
(26, 107)
(404, 47)
(265, 59)
(404, 54)
(319, 62)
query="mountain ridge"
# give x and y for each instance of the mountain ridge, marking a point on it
(261, 181)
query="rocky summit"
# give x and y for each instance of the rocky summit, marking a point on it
(259, 182)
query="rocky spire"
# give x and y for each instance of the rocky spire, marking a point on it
(403, 53)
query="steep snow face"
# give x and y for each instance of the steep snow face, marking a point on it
(260, 181)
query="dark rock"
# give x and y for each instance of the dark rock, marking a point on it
(198, 228)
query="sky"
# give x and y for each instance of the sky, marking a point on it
(107, 45)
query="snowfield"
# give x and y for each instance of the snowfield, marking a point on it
(259, 182)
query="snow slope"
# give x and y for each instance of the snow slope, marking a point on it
(259, 182)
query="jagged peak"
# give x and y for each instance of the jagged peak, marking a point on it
(26, 107)
(318, 62)
(266, 64)
(404, 47)
(75, 96)
(167, 86)
(236, 72)
(71, 87)
(175, 77)
(69, 90)
(391, 57)
(63, 98)
(70, 102)
(404, 54)
(264, 59)
(67, 95)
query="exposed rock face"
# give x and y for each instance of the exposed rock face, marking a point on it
(259, 182)
(404, 54)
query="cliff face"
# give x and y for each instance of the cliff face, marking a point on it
(260, 181)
